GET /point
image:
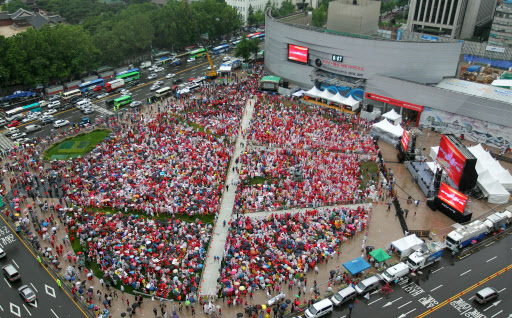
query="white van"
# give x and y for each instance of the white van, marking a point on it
(83, 104)
(367, 285)
(343, 296)
(393, 273)
(319, 309)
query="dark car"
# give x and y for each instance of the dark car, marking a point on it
(73, 99)
(66, 106)
(177, 81)
(135, 83)
(27, 293)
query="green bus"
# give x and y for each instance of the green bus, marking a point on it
(197, 53)
(123, 100)
(129, 75)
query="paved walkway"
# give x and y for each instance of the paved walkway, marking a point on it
(264, 213)
(220, 233)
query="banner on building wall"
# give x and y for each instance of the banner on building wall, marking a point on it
(392, 101)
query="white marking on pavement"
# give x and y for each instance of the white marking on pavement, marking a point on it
(502, 290)
(494, 304)
(496, 314)
(489, 244)
(54, 313)
(374, 301)
(18, 313)
(405, 304)
(34, 304)
(47, 288)
(436, 288)
(389, 303)
(491, 259)
(27, 309)
(7, 282)
(403, 315)
(34, 287)
(465, 273)
(15, 263)
(1, 308)
(437, 270)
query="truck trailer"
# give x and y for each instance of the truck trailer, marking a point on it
(426, 255)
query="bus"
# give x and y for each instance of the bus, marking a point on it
(260, 36)
(123, 100)
(163, 91)
(234, 43)
(129, 75)
(35, 107)
(87, 86)
(252, 35)
(197, 53)
(71, 93)
(221, 49)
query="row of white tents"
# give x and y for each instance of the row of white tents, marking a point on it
(335, 98)
(494, 180)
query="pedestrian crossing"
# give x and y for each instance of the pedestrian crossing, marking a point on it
(102, 110)
(5, 142)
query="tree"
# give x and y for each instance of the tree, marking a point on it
(287, 8)
(387, 6)
(14, 5)
(319, 18)
(246, 48)
(251, 17)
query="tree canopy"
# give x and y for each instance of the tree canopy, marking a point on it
(246, 48)
(14, 5)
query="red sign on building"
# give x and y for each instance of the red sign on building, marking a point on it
(392, 101)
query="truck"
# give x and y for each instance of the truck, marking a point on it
(406, 246)
(463, 235)
(175, 62)
(145, 64)
(426, 255)
(498, 220)
(110, 86)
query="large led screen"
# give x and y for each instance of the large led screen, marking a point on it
(452, 197)
(450, 158)
(405, 140)
(298, 54)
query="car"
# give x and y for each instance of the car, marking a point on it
(66, 106)
(191, 60)
(159, 69)
(154, 87)
(126, 93)
(226, 59)
(11, 273)
(13, 123)
(485, 295)
(135, 103)
(49, 112)
(170, 75)
(45, 120)
(135, 83)
(123, 91)
(2, 253)
(97, 88)
(53, 104)
(29, 118)
(177, 81)
(90, 94)
(54, 97)
(73, 99)
(60, 123)
(152, 68)
(23, 140)
(18, 135)
(158, 83)
(103, 95)
(27, 293)
(152, 76)
(2, 121)
(89, 110)
(191, 79)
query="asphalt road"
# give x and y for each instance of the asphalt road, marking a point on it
(439, 295)
(52, 301)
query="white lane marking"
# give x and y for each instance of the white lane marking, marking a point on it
(7, 282)
(436, 288)
(437, 270)
(502, 290)
(34, 287)
(496, 314)
(27, 309)
(54, 313)
(376, 300)
(18, 313)
(405, 304)
(48, 289)
(390, 302)
(1, 308)
(491, 259)
(15, 263)
(465, 273)
(33, 304)
(489, 244)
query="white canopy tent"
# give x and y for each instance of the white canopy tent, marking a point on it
(299, 93)
(325, 95)
(486, 165)
(495, 192)
(338, 98)
(433, 152)
(314, 92)
(387, 132)
(393, 117)
(352, 102)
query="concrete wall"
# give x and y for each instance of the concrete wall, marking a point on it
(363, 18)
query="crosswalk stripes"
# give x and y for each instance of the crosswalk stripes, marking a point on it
(5, 142)
(102, 110)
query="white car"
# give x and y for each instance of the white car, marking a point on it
(151, 76)
(226, 59)
(124, 91)
(135, 103)
(160, 69)
(158, 83)
(103, 95)
(170, 75)
(2, 253)
(29, 119)
(49, 112)
(54, 104)
(60, 123)
(191, 60)
(154, 87)
(54, 97)
(89, 110)
(18, 135)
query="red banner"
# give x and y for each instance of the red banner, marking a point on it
(450, 158)
(452, 197)
(392, 101)
(298, 53)
(405, 140)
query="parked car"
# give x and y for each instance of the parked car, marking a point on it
(60, 123)
(152, 76)
(170, 75)
(27, 293)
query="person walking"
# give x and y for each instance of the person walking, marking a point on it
(350, 307)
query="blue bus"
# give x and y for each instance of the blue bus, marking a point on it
(260, 36)
(221, 49)
(87, 86)
(36, 107)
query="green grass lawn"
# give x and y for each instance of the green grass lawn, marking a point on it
(76, 146)
(372, 168)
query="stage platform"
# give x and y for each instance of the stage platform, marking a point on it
(424, 177)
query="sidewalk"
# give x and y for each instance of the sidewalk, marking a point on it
(220, 233)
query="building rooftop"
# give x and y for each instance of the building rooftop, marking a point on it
(477, 89)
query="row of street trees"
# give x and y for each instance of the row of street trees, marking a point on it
(109, 38)
(257, 18)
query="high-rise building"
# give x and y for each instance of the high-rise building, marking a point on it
(452, 18)
(501, 30)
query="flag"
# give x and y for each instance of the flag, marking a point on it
(367, 296)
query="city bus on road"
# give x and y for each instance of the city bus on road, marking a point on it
(87, 86)
(35, 107)
(123, 100)
(163, 91)
(129, 75)
(221, 49)
(197, 53)
(74, 92)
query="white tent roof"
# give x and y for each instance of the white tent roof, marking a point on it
(351, 101)
(326, 95)
(407, 242)
(495, 193)
(314, 92)
(506, 180)
(486, 164)
(392, 115)
(338, 98)
(389, 127)
(434, 151)
(299, 93)
(485, 177)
